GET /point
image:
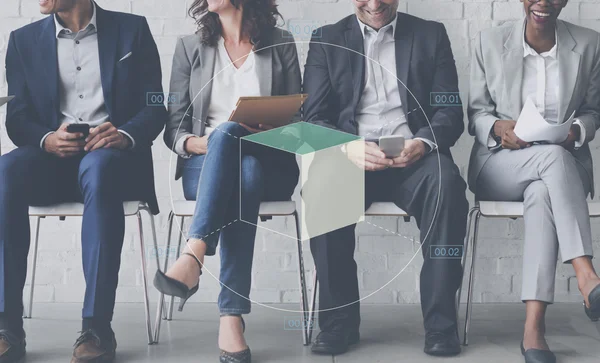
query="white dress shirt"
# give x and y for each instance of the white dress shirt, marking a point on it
(228, 85)
(541, 84)
(380, 111)
(80, 83)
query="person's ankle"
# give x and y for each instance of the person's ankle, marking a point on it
(584, 280)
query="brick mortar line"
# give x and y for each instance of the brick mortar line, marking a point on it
(396, 233)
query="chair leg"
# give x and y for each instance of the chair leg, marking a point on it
(160, 309)
(476, 214)
(463, 261)
(302, 275)
(172, 299)
(38, 221)
(313, 301)
(145, 278)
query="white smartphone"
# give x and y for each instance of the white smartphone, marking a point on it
(391, 145)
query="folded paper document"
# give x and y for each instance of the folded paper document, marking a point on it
(4, 100)
(531, 126)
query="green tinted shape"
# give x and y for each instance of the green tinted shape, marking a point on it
(301, 138)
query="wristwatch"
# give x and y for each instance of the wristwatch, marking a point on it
(496, 138)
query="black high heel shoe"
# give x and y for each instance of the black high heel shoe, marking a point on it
(243, 356)
(593, 312)
(537, 355)
(172, 287)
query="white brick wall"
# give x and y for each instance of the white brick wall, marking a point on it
(381, 254)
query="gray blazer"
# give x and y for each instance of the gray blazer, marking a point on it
(192, 72)
(497, 76)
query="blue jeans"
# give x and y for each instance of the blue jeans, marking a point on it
(232, 167)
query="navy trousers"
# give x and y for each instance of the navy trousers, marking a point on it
(102, 180)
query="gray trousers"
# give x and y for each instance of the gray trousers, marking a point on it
(553, 187)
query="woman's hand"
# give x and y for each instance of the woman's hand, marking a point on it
(505, 129)
(261, 127)
(196, 145)
(574, 135)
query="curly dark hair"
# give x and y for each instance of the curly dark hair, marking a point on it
(259, 19)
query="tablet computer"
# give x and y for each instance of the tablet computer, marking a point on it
(267, 110)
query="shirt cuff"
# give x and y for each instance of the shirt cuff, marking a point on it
(180, 146)
(579, 143)
(130, 138)
(431, 144)
(44, 139)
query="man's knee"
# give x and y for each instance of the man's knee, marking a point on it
(13, 166)
(98, 170)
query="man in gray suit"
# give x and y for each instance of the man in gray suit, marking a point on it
(557, 65)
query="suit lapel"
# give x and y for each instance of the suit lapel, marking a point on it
(207, 65)
(108, 40)
(264, 63)
(568, 69)
(512, 67)
(356, 52)
(49, 63)
(403, 46)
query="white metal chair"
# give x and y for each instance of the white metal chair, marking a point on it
(491, 209)
(64, 210)
(379, 209)
(268, 210)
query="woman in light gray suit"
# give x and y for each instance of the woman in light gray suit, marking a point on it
(557, 65)
(237, 51)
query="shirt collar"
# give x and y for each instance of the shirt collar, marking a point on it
(528, 50)
(60, 28)
(364, 27)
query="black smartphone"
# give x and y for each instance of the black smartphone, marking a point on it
(79, 128)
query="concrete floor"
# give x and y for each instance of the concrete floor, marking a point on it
(390, 334)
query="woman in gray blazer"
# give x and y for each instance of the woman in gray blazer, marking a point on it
(557, 65)
(237, 51)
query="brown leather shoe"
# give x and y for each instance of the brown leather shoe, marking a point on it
(12, 348)
(90, 348)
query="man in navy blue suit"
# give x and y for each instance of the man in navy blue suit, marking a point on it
(81, 65)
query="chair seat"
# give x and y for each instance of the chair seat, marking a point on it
(515, 209)
(76, 209)
(185, 208)
(385, 209)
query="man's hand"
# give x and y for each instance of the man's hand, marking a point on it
(254, 130)
(413, 151)
(505, 129)
(574, 135)
(367, 155)
(64, 144)
(196, 145)
(106, 136)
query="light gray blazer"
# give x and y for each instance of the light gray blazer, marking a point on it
(497, 76)
(192, 72)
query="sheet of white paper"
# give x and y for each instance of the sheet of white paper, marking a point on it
(4, 100)
(532, 127)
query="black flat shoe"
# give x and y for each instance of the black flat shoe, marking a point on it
(593, 312)
(244, 356)
(441, 344)
(335, 342)
(172, 287)
(537, 355)
(12, 347)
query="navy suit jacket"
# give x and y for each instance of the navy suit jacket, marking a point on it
(335, 71)
(32, 75)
